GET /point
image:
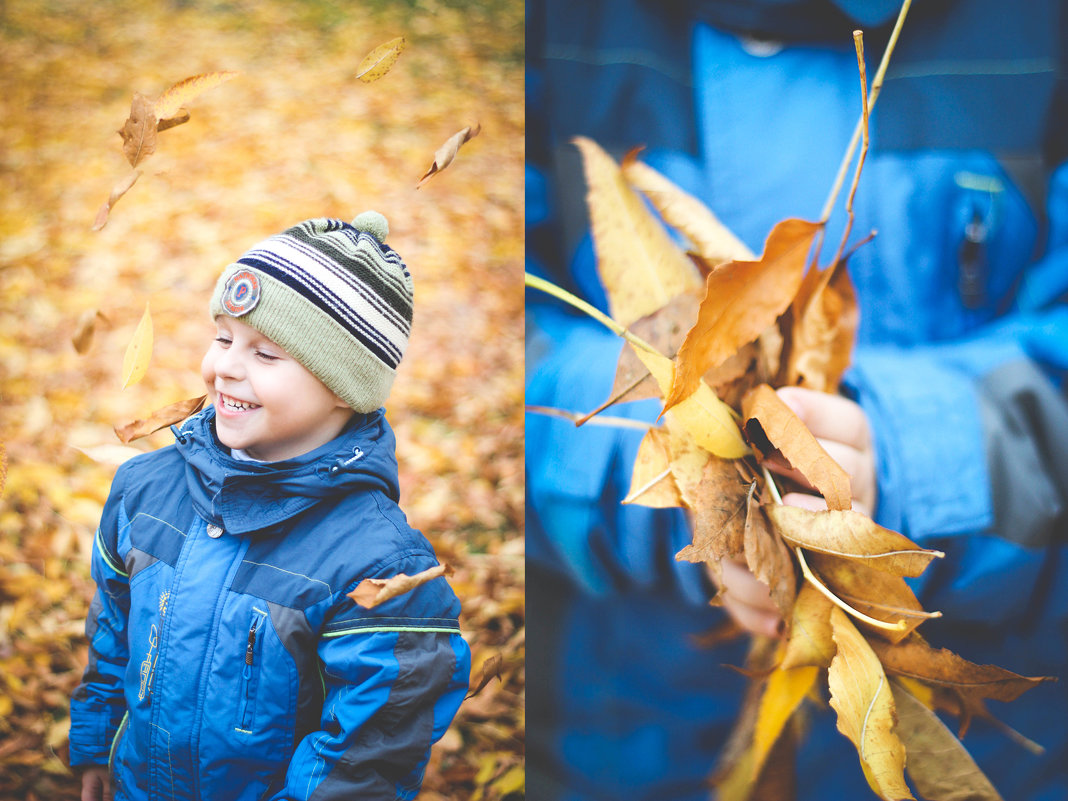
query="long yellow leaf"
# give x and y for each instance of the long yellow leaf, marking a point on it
(138, 352)
(861, 696)
(707, 419)
(640, 266)
(380, 60)
(783, 693)
(185, 90)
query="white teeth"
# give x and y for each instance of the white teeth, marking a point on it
(232, 403)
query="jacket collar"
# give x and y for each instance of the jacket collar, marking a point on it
(243, 497)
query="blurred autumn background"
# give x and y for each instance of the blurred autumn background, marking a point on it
(295, 135)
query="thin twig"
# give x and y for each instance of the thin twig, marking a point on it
(580, 419)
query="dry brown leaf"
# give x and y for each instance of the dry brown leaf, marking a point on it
(769, 559)
(380, 60)
(161, 418)
(711, 239)
(718, 516)
(860, 694)
(742, 299)
(688, 462)
(938, 764)
(117, 191)
(444, 155)
(875, 593)
(651, 482)
(491, 669)
(916, 659)
(639, 264)
(139, 131)
(768, 417)
(371, 592)
(138, 351)
(824, 327)
(708, 419)
(170, 102)
(83, 334)
(783, 693)
(181, 118)
(851, 535)
(809, 640)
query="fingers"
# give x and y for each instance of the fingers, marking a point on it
(748, 600)
(830, 417)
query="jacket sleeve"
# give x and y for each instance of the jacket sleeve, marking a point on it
(393, 678)
(97, 704)
(968, 438)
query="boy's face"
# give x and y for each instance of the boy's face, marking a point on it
(266, 402)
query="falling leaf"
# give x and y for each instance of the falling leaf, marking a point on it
(711, 239)
(938, 764)
(170, 102)
(742, 299)
(371, 592)
(783, 693)
(161, 418)
(138, 352)
(915, 659)
(876, 593)
(860, 694)
(83, 335)
(708, 419)
(447, 152)
(651, 482)
(379, 61)
(139, 131)
(809, 641)
(768, 558)
(851, 535)
(120, 189)
(3, 468)
(718, 516)
(181, 118)
(767, 415)
(110, 454)
(640, 266)
(491, 669)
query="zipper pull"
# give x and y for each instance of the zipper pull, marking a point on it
(251, 646)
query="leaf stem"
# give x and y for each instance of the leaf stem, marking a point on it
(535, 282)
(582, 419)
(873, 95)
(901, 625)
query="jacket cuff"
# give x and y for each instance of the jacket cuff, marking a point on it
(927, 429)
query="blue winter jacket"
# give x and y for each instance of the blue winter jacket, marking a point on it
(961, 357)
(227, 663)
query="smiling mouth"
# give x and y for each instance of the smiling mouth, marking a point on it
(235, 405)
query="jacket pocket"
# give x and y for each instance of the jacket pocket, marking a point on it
(250, 672)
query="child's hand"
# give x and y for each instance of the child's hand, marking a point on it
(96, 784)
(842, 429)
(747, 599)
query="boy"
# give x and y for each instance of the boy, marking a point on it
(226, 662)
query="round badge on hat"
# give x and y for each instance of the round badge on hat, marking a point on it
(241, 293)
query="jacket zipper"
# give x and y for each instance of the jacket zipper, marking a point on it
(115, 742)
(245, 715)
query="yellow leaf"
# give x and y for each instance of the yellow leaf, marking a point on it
(711, 239)
(169, 103)
(651, 482)
(851, 535)
(380, 60)
(861, 695)
(707, 419)
(110, 454)
(640, 266)
(783, 693)
(138, 352)
(810, 641)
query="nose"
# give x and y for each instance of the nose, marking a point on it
(228, 364)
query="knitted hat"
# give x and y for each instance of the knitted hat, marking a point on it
(334, 296)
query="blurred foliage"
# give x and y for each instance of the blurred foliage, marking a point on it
(294, 136)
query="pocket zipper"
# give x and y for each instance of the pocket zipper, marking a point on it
(246, 673)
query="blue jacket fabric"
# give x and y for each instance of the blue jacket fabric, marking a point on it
(961, 355)
(226, 661)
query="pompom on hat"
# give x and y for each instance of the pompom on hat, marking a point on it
(334, 296)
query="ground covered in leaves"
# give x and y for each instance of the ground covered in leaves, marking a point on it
(295, 135)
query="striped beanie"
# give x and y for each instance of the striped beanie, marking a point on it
(334, 296)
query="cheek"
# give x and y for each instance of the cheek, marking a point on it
(207, 367)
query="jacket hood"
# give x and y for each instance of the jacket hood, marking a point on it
(243, 497)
